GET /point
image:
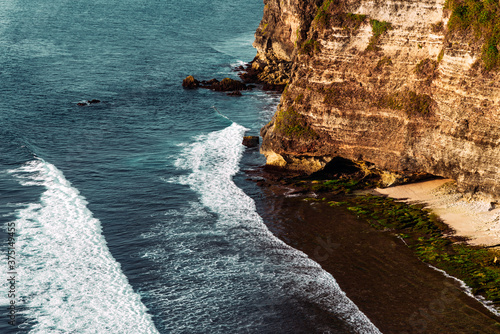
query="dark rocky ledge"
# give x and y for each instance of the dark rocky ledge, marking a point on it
(225, 85)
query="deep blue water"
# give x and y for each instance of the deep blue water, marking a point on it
(126, 214)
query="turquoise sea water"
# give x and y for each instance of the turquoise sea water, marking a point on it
(126, 215)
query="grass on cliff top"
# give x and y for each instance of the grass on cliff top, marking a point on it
(292, 124)
(482, 18)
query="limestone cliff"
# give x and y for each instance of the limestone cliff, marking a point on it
(392, 83)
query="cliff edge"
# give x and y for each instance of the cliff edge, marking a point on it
(409, 86)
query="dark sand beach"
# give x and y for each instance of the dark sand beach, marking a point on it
(377, 271)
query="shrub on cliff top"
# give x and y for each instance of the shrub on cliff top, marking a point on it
(482, 19)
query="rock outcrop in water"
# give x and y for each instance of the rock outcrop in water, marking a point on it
(251, 141)
(225, 85)
(409, 86)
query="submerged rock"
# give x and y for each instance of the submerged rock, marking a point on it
(88, 102)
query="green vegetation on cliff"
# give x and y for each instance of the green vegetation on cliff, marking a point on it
(334, 11)
(482, 19)
(378, 29)
(323, 15)
(355, 20)
(292, 124)
(310, 47)
(409, 101)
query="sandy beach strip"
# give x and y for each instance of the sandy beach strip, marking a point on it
(477, 218)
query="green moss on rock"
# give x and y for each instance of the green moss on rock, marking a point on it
(409, 101)
(292, 124)
(310, 47)
(481, 19)
(378, 29)
(425, 234)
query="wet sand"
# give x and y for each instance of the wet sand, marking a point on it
(398, 292)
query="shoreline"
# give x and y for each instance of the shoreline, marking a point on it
(396, 290)
(477, 219)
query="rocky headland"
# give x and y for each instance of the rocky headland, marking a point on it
(406, 87)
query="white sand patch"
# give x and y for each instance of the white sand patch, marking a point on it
(474, 217)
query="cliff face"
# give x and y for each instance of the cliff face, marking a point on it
(284, 25)
(386, 82)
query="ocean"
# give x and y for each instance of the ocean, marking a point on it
(133, 215)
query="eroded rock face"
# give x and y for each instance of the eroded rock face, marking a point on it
(284, 25)
(384, 82)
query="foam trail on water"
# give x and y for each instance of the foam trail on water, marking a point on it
(212, 160)
(68, 280)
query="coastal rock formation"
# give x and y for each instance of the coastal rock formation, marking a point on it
(409, 86)
(226, 85)
(251, 141)
(190, 82)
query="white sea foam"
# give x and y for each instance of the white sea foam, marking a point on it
(212, 161)
(67, 278)
(468, 290)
